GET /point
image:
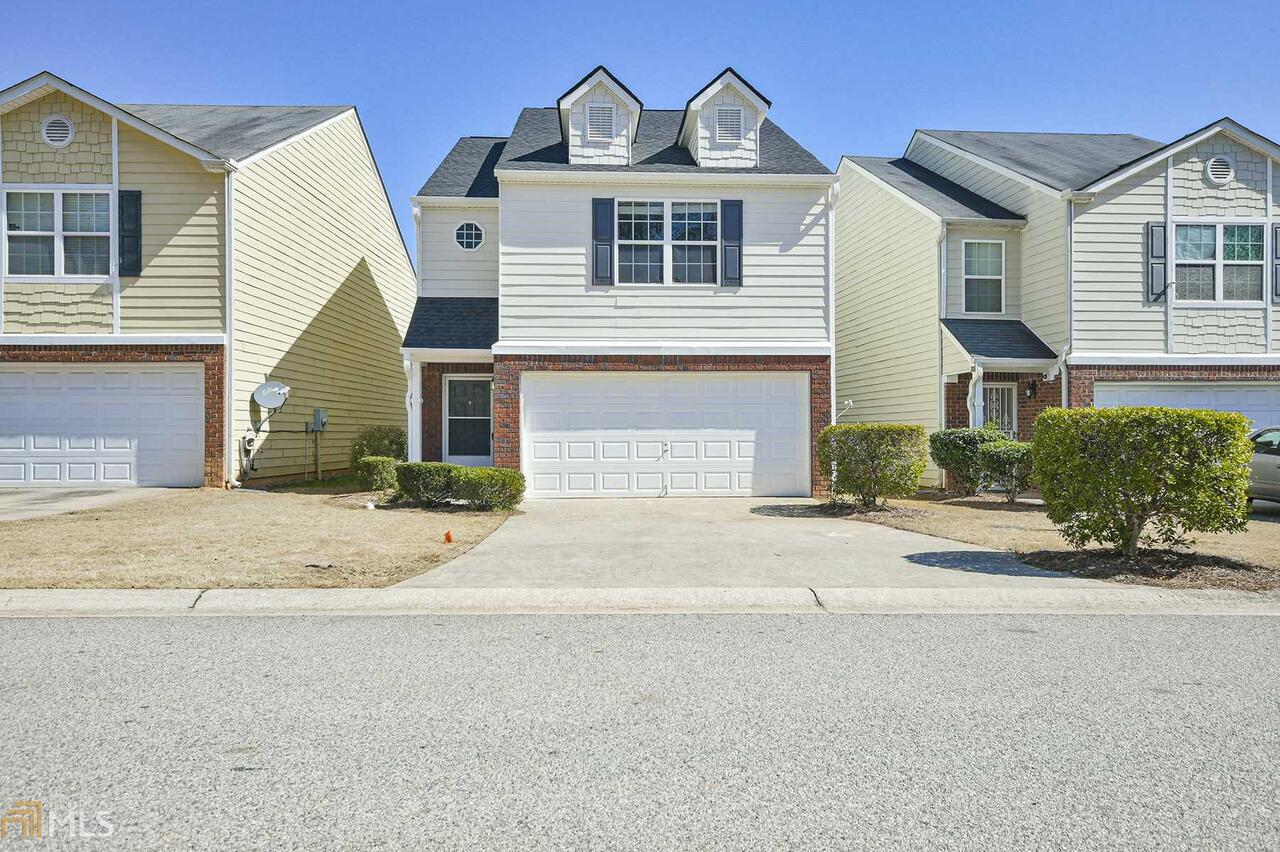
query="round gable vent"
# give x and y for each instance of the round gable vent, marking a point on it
(58, 131)
(1219, 170)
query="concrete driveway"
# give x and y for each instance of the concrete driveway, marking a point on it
(728, 542)
(19, 504)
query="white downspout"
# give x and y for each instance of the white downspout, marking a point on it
(412, 404)
(942, 314)
(833, 194)
(229, 357)
(977, 412)
(1071, 300)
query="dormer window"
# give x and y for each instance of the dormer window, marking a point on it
(728, 124)
(600, 123)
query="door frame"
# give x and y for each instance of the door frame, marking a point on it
(466, 461)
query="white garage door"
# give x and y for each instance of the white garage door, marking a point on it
(658, 434)
(1258, 401)
(101, 424)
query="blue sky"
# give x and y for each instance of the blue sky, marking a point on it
(843, 77)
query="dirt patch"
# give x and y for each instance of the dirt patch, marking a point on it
(1249, 560)
(210, 538)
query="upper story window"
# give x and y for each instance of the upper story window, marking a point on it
(983, 277)
(469, 236)
(695, 227)
(1218, 263)
(641, 242)
(651, 253)
(728, 124)
(59, 234)
(600, 122)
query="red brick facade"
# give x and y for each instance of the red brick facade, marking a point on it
(211, 356)
(433, 404)
(506, 389)
(1080, 380)
(1045, 395)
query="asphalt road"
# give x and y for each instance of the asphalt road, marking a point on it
(644, 732)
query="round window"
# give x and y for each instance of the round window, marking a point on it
(1220, 170)
(469, 236)
(58, 131)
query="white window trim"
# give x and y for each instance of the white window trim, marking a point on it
(483, 235)
(1218, 263)
(586, 123)
(444, 412)
(59, 261)
(742, 129)
(668, 244)
(964, 279)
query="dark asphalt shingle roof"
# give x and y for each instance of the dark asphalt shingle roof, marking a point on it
(535, 143)
(1059, 160)
(945, 198)
(233, 132)
(467, 170)
(441, 322)
(993, 338)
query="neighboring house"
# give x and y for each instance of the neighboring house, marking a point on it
(162, 261)
(623, 301)
(987, 276)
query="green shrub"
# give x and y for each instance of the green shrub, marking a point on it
(956, 452)
(388, 441)
(376, 473)
(432, 483)
(487, 488)
(1108, 473)
(872, 461)
(1006, 464)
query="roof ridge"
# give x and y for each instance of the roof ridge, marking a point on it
(244, 106)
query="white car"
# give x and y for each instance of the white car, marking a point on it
(1264, 483)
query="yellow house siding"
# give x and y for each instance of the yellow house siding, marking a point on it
(323, 295)
(27, 159)
(53, 308)
(1195, 195)
(183, 224)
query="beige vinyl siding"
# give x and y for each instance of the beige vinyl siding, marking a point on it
(546, 293)
(617, 151)
(709, 152)
(183, 241)
(1195, 195)
(1109, 236)
(323, 295)
(54, 308)
(1230, 330)
(954, 359)
(886, 323)
(1043, 240)
(447, 269)
(28, 159)
(956, 237)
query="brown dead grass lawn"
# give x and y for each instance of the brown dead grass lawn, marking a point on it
(209, 538)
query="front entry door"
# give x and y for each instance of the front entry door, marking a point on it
(468, 420)
(1000, 406)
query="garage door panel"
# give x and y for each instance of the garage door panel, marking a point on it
(1259, 401)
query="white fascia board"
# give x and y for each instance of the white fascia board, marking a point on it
(1015, 365)
(446, 355)
(1162, 359)
(659, 347)
(675, 178)
(985, 163)
(1234, 129)
(294, 138)
(452, 201)
(113, 339)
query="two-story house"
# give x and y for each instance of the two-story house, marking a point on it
(160, 262)
(624, 301)
(986, 276)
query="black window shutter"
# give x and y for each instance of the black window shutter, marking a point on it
(129, 208)
(1157, 263)
(731, 242)
(602, 241)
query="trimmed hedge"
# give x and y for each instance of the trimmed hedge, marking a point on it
(872, 461)
(956, 452)
(1008, 465)
(488, 488)
(1108, 473)
(431, 483)
(376, 473)
(388, 441)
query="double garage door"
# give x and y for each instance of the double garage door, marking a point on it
(665, 434)
(101, 424)
(1259, 401)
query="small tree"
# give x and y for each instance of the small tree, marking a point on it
(956, 452)
(1108, 473)
(389, 441)
(872, 461)
(1008, 465)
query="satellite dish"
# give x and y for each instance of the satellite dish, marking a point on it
(271, 395)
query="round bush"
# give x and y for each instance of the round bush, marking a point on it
(1108, 473)
(956, 452)
(376, 473)
(430, 483)
(872, 461)
(388, 441)
(488, 488)
(1008, 465)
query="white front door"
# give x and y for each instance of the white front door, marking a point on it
(652, 434)
(468, 420)
(1259, 401)
(101, 424)
(1000, 406)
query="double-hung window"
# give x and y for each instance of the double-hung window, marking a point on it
(668, 241)
(57, 234)
(641, 237)
(695, 227)
(1218, 263)
(983, 277)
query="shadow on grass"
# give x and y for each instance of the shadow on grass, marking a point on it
(1159, 567)
(978, 562)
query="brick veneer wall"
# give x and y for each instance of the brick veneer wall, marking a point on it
(210, 356)
(1081, 379)
(1047, 395)
(433, 404)
(506, 389)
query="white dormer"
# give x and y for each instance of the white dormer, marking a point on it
(598, 119)
(721, 125)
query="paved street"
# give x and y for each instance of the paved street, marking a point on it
(729, 731)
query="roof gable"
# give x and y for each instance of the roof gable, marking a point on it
(598, 76)
(940, 197)
(727, 77)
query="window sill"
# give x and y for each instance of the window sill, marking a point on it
(57, 279)
(645, 288)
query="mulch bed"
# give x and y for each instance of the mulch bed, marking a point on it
(1168, 568)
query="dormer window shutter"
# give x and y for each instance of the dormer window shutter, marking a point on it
(602, 241)
(129, 209)
(731, 242)
(1157, 262)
